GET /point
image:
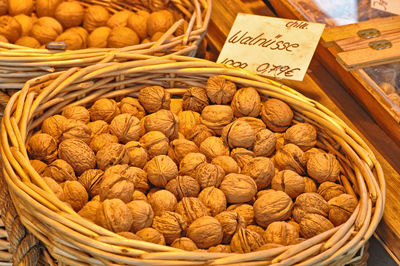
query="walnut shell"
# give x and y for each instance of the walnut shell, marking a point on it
(154, 98)
(46, 29)
(151, 235)
(16, 7)
(246, 102)
(122, 36)
(214, 199)
(190, 162)
(261, 169)
(160, 170)
(244, 210)
(272, 206)
(138, 24)
(191, 208)
(39, 166)
(171, 225)
(281, 233)
(60, 171)
(162, 201)
(111, 154)
(219, 90)
(310, 185)
(303, 135)
(139, 195)
(164, 121)
(208, 175)
(179, 148)
(129, 105)
(213, 147)
(245, 241)
(42, 147)
(137, 154)
(290, 157)
(323, 167)
(98, 127)
(176, 105)
(101, 140)
(199, 133)
(10, 28)
(184, 243)
(69, 14)
(255, 123)
(155, 142)
(104, 109)
(116, 186)
(195, 99)
(126, 127)
(76, 112)
(276, 114)
(95, 16)
(98, 38)
(265, 142)
(242, 156)
(91, 180)
(329, 190)
(142, 215)
(138, 177)
(89, 211)
(183, 186)
(238, 188)
(341, 208)
(230, 221)
(227, 163)
(28, 42)
(26, 23)
(205, 232)
(114, 215)
(75, 194)
(119, 19)
(238, 134)
(314, 224)
(54, 126)
(216, 117)
(187, 121)
(256, 228)
(75, 129)
(46, 8)
(55, 187)
(159, 21)
(309, 203)
(289, 182)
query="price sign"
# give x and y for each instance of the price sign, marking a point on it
(391, 6)
(273, 47)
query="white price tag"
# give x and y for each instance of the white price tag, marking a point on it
(275, 47)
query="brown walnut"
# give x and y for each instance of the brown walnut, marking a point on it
(155, 142)
(91, 180)
(303, 135)
(111, 154)
(242, 156)
(276, 114)
(184, 243)
(323, 167)
(161, 201)
(137, 154)
(126, 127)
(329, 190)
(290, 157)
(154, 98)
(208, 174)
(227, 163)
(42, 147)
(212, 147)
(60, 171)
(142, 215)
(281, 233)
(309, 203)
(195, 99)
(164, 121)
(190, 162)
(129, 105)
(160, 170)
(76, 112)
(187, 121)
(116, 186)
(246, 102)
(183, 186)
(216, 117)
(214, 199)
(230, 221)
(89, 211)
(244, 210)
(171, 225)
(289, 182)
(199, 133)
(265, 142)
(104, 109)
(314, 224)
(191, 208)
(75, 194)
(205, 232)
(114, 215)
(101, 140)
(238, 134)
(151, 235)
(238, 188)
(78, 154)
(179, 148)
(219, 90)
(261, 169)
(341, 208)
(245, 241)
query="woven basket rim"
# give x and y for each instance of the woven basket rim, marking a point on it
(338, 244)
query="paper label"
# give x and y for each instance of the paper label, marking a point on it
(391, 6)
(274, 47)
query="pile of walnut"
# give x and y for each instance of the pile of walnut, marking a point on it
(193, 173)
(36, 23)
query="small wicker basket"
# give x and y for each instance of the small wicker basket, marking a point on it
(73, 240)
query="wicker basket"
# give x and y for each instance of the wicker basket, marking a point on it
(19, 64)
(73, 240)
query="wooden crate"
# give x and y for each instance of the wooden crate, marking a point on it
(348, 56)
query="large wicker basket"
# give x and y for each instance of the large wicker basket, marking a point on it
(73, 240)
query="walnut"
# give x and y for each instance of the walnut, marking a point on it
(98, 127)
(129, 105)
(214, 199)
(310, 185)
(255, 123)
(111, 154)
(164, 121)
(139, 195)
(116, 186)
(171, 225)
(10, 28)
(216, 117)
(220, 90)
(311, 151)
(276, 114)
(134, 174)
(142, 215)
(129, 235)
(290, 157)
(162, 201)
(151, 235)
(280, 141)
(212, 147)
(256, 228)
(238, 134)
(261, 169)
(199, 133)
(160, 170)
(289, 182)
(159, 21)
(75, 194)
(309, 203)
(341, 208)
(323, 167)
(265, 142)
(176, 105)
(244, 210)
(220, 249)
(39, 166)
(54, 126)
(46, 8)
(183, 186)
(205, 232)
(195, 99)
(295, 224)
(114, 215)
(227, 163)
(179, 148)
(89, 211)
(122, 36)
(246, 102)
(95, 16)
(126, 127)
(155, 142)
(230, 221)
(60, 171)
(303, 135)
(242, 156)
(245, 241)
(91, 180)
(184, 243)
(272, 206)
(238, 188)
(55, 187)
(191, 208)
(187, 121)
(75, 129)
(154, 98)
(45, 29)
(69, 14)
(104, 109)
(78, 154)
(329, 190)
(208, 174)
(101, 140)
(28, 41)
(138, 24)
(314, 224)
(42, 147)
(190, 162)
(137, 154)
(281, 233)
(119, 19)
(76, 112)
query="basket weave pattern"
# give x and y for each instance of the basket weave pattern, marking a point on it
(73, 240)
